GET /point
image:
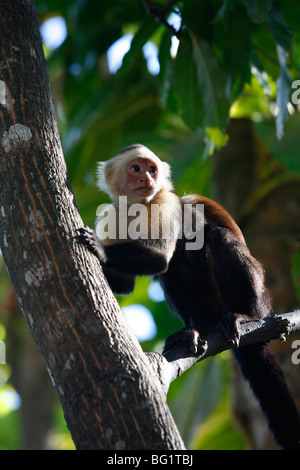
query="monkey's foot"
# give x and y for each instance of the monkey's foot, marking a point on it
(184, 343)
(88, 237)
(229, 325)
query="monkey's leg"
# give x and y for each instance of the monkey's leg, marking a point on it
(189, 339)
(229, 325)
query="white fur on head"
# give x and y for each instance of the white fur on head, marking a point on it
(111, 172)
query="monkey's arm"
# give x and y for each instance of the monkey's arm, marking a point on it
(136, 257)
(120, 283)
(238, 282)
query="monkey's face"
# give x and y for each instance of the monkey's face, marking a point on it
(141, 180)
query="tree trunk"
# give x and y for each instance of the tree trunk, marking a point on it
(110, 397)
(28, 376)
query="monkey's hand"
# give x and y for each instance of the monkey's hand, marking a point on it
(229, 325)
(88, 237)
(184, 343)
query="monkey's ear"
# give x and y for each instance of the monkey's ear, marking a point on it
(105, 177)
(166, 169)
(101, 179)
(109, 175)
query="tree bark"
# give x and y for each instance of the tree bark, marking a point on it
(110, 397)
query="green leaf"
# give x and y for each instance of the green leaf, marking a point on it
(211, 82)
(278, 26)
(217, 137)
(186, 85)
(218, 433)
(283, 87)
(204, 387)
(227, 8)
(257, 9)
(234, 34)
(296, 271)
(166, 65)
(286, 151)
(264, 51)
(144, 33)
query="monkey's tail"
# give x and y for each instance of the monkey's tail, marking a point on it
(261, 368)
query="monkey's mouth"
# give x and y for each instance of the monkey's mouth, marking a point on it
(144, 190)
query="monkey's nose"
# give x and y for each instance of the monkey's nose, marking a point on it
(145, 179)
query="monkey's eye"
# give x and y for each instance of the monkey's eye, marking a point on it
(135, 168)
(152, 170)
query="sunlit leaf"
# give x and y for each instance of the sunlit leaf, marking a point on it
(216, 136)
(219, 433)
(140, 38)
(204, 387)
(283, 86)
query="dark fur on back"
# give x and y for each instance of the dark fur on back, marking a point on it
(205, 287)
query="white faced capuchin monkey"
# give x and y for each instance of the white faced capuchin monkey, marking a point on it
(213, 286)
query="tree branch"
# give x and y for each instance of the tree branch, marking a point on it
(179, 359)
(160, 12)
